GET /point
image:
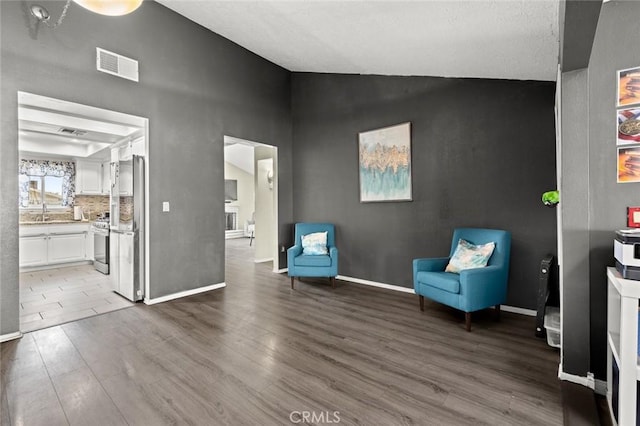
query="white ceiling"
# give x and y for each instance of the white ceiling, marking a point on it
(240, 153)
(50, 126)
(506, 39)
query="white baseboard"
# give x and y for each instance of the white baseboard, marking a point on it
(270, 259)
(505, 308)
(376, 284)
(55, 266)
(587, 381)
(183, 294)
(10, 336)
(516, 310)
(281, 271)
(601, 387)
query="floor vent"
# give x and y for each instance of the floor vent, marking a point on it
(117, 65)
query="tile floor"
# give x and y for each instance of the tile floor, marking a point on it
(55, 296)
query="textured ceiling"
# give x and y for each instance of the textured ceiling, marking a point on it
(508, 39)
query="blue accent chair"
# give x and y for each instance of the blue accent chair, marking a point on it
(472, 289)
(301, 265)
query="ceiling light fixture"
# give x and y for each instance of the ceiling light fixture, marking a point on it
(102, 7)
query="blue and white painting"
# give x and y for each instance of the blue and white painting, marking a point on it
(385, 164)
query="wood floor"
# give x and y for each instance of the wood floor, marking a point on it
(259, 353)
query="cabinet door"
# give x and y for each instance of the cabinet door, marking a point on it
(126, 178)
(114, 263)
(106, 178)
(67, 248)
(88, 249)
(33, 250)
(88, 178)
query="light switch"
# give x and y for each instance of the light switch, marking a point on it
(165, 206)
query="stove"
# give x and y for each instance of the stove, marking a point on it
(100, 229)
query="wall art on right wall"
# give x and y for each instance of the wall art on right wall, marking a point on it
(628, 164)
(628, 87)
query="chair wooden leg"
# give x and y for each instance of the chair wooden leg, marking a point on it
(467, 320)
(292, 278)
(497, 312)
(333, 282)
(421, 298)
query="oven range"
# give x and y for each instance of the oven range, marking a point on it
(100, 229)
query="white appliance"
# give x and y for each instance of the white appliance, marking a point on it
(127, 227)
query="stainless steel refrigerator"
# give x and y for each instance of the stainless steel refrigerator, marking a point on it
(127, 227)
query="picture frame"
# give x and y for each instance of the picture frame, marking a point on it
(384, 162)
(628, 126)
(628, 87)
(628, 167)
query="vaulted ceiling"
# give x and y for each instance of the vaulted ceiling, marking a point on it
(506, 39)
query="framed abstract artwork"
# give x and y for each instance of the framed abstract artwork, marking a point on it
(385, 164)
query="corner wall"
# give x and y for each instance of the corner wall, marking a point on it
(483, 151)
(195, 87)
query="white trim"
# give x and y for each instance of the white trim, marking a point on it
(516, 310)
(10, 336)
(263, 260)
(184, 294)
(281, 271)
(601, 387)
(376, 284)
(587, 381)
(54, 265)
(505, 308)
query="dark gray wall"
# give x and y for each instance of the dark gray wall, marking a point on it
(483, 151)
(615, 47)
(195, 87)
(574, 205)
(578, 20)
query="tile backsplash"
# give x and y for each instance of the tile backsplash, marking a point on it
(92, 206)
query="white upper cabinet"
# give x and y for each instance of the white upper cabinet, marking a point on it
(106, 177)
(88, 178)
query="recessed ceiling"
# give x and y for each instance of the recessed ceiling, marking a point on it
(63, 129)
(504, 39)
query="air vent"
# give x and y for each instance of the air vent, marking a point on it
(71, 132)
(117, 65)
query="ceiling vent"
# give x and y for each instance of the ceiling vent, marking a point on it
(71, 132)
(115, 64)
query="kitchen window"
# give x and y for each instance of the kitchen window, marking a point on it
(46, 182)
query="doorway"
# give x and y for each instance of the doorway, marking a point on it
(65, 173)
(251, 200)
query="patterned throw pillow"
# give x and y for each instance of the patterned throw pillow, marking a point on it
(469, 256)
(315, 244)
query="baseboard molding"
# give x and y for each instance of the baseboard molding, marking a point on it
(516, 310)
(376, 284)
(10, 336)
(270, 259)
(281, 271)
(183, 294)
(505, 308)
(55, 266)
(587, 381)
(601, 387)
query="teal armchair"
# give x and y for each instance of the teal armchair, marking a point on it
(472, 289)
(302, 265)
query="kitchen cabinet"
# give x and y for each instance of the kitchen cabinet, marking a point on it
(42, 245)
(66, 248)
(126, 179)
(88, 178)
(105, 182)
(33, 250)
(623, 370)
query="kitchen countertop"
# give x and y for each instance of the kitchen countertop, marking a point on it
(52, 222)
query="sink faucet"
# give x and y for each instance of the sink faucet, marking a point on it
(44, 212)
